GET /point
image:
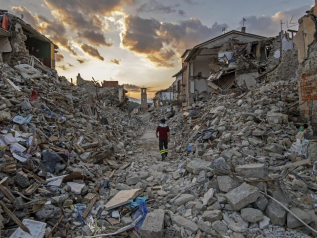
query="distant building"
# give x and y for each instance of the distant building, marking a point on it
(163, 97)
(110, 84)
(144, 104)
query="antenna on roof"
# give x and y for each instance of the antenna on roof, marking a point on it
(291, 24)
(224, 30)
(282, 23)
(22, 16)
(243, 21)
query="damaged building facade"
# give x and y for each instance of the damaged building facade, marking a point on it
(306, 43)
(233, 60)
(38, 48)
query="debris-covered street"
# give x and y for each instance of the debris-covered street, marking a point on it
(77, 161)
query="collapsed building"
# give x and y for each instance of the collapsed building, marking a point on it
(38, 47)
(232, 60)
(242, 162)
(51, 129)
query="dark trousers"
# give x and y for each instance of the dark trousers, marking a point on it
(163, 144)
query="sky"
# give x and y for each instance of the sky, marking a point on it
(139, 42)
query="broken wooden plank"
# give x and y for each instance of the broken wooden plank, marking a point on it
(291, 165)
(31, 189)
(97, 188)
(11, 165)
(112, 173)
(92, 202)
(122, 198)
(90, 145)
(124, 166)
(7, 193)
(53, 229)
(112, 163)
(35, 201)
(14, 218)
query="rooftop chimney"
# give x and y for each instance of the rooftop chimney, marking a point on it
(243, 29)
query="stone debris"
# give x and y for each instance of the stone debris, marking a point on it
(71, 156)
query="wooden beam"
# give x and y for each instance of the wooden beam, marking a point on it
(51, 232)
(14, 218)
(7, 193)
(92, 202)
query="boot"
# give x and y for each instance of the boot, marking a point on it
(163, 157)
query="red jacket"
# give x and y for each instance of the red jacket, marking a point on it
(163, 129)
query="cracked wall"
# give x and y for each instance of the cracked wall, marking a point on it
(306, 43)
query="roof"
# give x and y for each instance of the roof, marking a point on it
(229, 33)
(181, 71)
(28, 29)
(185, 52)
(219, 37)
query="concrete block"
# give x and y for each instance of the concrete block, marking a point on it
(261, 202)
(251, 215)
(184, 198)
(274, 148)
(198, 165)
(252, 171)
(153, 224)
(133, 180)
(211, 216)
(226, 183)
(276, 213)
(242, 196)
(292, 222)
(219, 227)
(183, 222)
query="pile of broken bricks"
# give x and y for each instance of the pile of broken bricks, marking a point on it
(60, 145)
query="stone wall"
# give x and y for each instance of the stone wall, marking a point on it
(19, 51)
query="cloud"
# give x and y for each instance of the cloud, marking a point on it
(191, 2)
(157, 7)
(87, 18)
(161, 59)
(115, 61)
(181, 13)
(63, 67)
(161, 41)
(82, 61)
(271, 25)
(95, 38)
(54, 30)
(92, 51)
(27, 15)
(59, 57)
(137, 89)
(132, 88)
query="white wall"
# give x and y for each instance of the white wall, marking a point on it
(201, 85)
(202, 66)
(166, 96)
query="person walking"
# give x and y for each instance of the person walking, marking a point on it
(163, 133)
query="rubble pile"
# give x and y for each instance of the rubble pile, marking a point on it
(236, 154)
(242, 162)
(60, 146)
